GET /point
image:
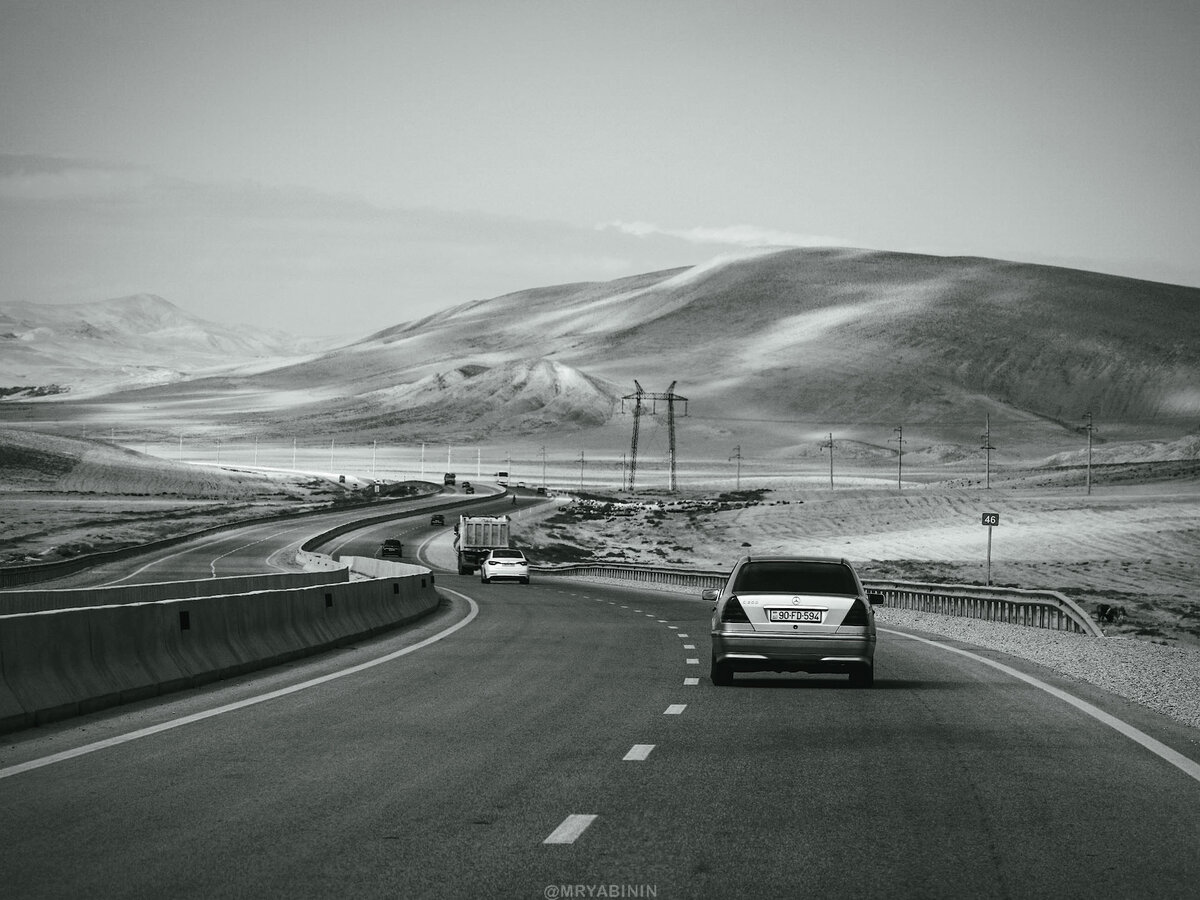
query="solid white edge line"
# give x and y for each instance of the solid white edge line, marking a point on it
(571, 828)
(1184, 764)
(240, 704)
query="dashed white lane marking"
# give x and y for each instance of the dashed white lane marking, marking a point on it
(241, 704)
(689, 646)
(675, 709)
(672, 626)
(682, 635)
(662, 621)
(688, 682)
(638, 752)
(692, 661)
(1181, 762)
(570, 829)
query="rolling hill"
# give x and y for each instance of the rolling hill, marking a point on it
(780, 347)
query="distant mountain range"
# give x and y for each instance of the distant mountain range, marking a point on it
(86, 349)
(775, 350)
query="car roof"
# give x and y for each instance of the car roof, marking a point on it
(780, 558)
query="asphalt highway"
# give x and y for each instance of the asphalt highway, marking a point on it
(562, 739)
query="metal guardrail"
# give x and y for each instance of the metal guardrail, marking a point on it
(1013, 606)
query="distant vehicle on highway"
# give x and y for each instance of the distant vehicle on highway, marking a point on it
(793, 614)
(468, 489)
(504, 564)
(437, 519)
(465, 483)
(449, 478)
(392, 547)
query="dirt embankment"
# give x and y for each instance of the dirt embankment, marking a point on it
(64, 497)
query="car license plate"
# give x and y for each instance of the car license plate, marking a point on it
(794, 615)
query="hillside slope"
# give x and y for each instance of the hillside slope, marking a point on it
(787, 345)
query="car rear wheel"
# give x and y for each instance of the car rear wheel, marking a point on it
(862, 677)
(483, 579)
(721, 674)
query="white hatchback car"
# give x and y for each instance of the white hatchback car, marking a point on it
(510, 564)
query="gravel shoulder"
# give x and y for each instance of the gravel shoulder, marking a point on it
(1163, 678)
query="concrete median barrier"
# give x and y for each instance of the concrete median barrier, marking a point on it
(64, 662)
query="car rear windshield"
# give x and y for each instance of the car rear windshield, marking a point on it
(795, 578)
(507, 554)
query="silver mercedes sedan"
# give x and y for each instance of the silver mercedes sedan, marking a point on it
(793, 614)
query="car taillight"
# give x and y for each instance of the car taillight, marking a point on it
(857, 615)
(733, 612)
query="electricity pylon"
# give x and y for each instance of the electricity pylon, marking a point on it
(639, 397)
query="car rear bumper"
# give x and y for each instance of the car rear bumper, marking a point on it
(801, 653)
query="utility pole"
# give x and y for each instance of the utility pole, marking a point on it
(374, 447)
(581, 471)
(1089, 427)
(639, 396)
(828, 445)
(987, 445)
(737, 454)
(293, 454)
(543, 466)
(256, 450)
(422, 460)
(218, 451)
(898, 440)
(331, 455)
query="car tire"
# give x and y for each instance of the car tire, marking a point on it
(721, 674)
(483, 580)
(862, 677)
(524, 581)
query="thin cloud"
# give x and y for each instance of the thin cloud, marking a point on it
(730, 235)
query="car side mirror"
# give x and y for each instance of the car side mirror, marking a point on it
(710, 594)
(876, 599)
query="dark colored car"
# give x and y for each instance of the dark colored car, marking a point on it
(437, 519)
(467, 489)
(391, 547)
(793, 614)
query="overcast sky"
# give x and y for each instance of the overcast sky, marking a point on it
(347, 165)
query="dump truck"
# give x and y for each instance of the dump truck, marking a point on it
(475, 536)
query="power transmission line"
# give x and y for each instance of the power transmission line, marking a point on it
(639, 396)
